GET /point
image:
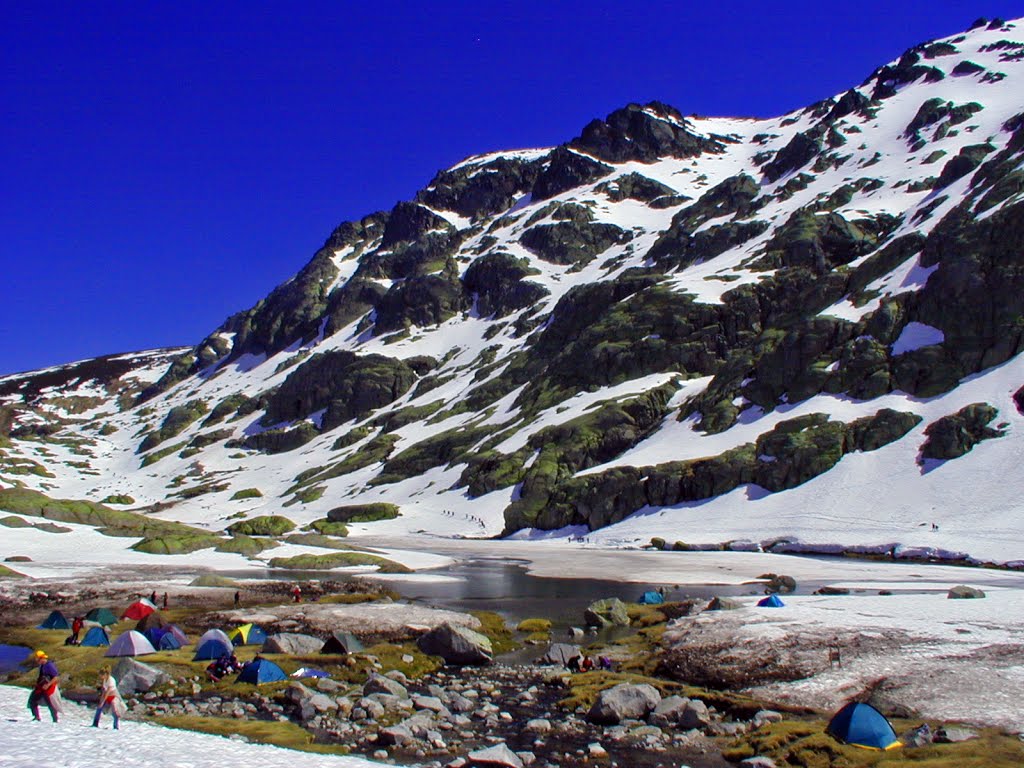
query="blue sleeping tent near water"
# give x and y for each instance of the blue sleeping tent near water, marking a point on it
(96, 636)
(260, 671)
(651, 598)
(861, 725)
(772, 601)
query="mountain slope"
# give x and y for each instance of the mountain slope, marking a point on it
(801, 333)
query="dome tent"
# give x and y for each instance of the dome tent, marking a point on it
(212, 645)
(56, 620)
(96, 636)
(861, 725)
(247, 634)
(772, 601)
(140, 609)
(259, 671)
(130, 643)
(102, 616)
(342, 643)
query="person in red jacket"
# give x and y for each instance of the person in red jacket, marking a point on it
(45, 690)
(76, 626)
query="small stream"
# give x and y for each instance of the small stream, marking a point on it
(13, 659)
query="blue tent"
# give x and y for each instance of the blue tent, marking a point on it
(259, 671)
(153, 634)
(772, 601)
(212, 648)
(96, 636)
(651, 598)
(167, 642)
(861, 725)
(55, 620)
(247, 634)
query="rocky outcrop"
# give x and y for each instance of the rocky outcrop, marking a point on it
(955, 435)
(642, 133)
(610, 612)
(292, 643)
(135, 677)
(456, 645)
(497, 282)
(624, 701)
(569, 242)
(342, 384)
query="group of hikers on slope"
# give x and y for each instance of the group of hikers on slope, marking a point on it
(47, 691)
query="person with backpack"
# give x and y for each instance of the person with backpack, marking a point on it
(110, 699)
(46, 690)
(76, 626)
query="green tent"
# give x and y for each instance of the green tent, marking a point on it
(102, 616)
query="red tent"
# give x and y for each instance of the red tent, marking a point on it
(140, 609)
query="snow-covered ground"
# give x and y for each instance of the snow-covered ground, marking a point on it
(72, 743)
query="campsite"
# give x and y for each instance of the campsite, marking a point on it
(349, 669)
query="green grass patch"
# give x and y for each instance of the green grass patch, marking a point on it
(534, 625)
(177, 545)
(213, 580)
(328, 527)
(805, 743)
(364, 513)
(13, 521)
(280, 734)
(264, 525)
(112, 522)
(7, 573)
(118, 498)
(355, 598)
(307, 495)
(245, 545)
(317, 540)
(493, 627)
(155, 456)
(337, 560)
(247, 493)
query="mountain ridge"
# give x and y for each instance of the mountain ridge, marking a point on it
(525, 335)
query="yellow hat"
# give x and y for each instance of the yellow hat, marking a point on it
(40, 654)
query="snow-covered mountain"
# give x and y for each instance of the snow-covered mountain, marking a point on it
(800, 333)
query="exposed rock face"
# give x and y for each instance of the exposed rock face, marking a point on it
(606, 613)
(624, 701)
(456, 645)
(135, 677)
(343, 384)
(955, 435)
(963, 592)
(644, 134)
(292, 643)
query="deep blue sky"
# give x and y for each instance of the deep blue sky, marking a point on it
(162, 169)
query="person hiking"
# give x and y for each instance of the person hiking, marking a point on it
(238, 599)
(46, 690)
(110, 699)
(297, 593)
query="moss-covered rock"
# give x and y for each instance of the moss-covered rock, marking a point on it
(178, 419)
(635, 186)
(790, 454)
(247, 493)
(245, 545)
(329, 527)
(956, 435)
(570, 242)
(363, 513)
(342, 384)
(118, 498)
(337, 560)
(177, 545)
(264, 525)
(496, 280)
(422, 301)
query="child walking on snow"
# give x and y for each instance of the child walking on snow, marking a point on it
(110, 699)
